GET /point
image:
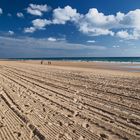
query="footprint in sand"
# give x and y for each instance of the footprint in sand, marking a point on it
(104, 136)
(18, 134)
(85, 125)
(1, 125)
(81, 138)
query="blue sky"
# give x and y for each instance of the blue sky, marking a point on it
(69, 28)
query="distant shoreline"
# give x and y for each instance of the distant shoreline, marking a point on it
(83, 59)
(117, 66)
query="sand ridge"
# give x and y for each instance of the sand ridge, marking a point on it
(68, 103)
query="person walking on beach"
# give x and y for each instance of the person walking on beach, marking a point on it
(49, 62)
(41, 62)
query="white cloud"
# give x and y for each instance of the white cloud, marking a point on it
(119, 16)
(124, 34)
(131, 19)
(99, 19)
(29, 30)
(37, 10)
(52, 39)
(1, 11)
(40, 23)
(11, 32)
(93, 23)
(34, 12)
(91, 41)
(62, 15)
(91, 31)
(130, 24)
(20, 15)
(116, 46)
(43, 8)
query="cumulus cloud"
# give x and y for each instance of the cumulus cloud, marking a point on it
(93, 23)
(91, 31)
(40, 23)
(1, 11)
(29, 30)
(62, 15)
(99, 19)
(37, 10)
(96, 23)
(131, 25)
(11, 32)
(20, 15)
(131, 19)
(124, 34)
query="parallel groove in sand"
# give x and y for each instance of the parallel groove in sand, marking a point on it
(54, 102)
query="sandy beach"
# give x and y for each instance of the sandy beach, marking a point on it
(69, 101)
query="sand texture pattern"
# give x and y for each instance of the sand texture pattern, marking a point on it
(41, 102)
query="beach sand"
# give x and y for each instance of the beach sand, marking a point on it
(69, 101)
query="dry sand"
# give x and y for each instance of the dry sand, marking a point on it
(68, 101)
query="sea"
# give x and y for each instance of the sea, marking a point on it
(86, 59)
